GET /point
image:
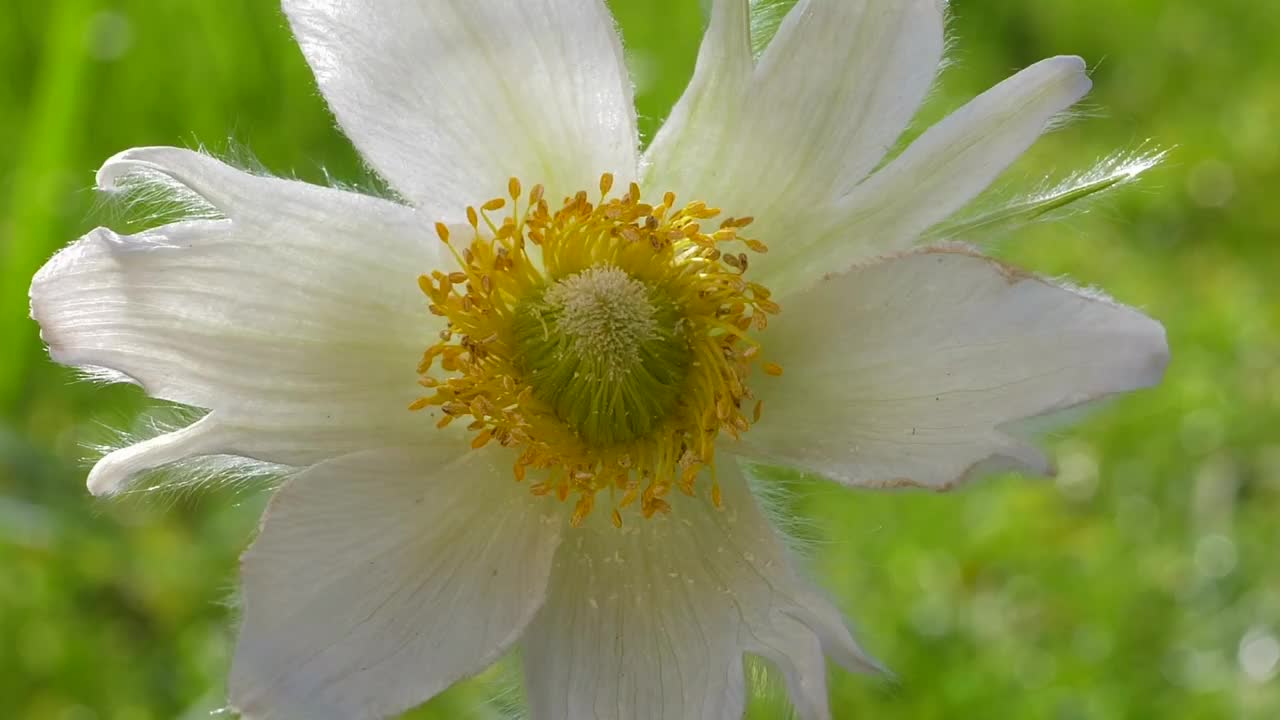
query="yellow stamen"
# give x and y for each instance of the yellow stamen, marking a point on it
(609, 357)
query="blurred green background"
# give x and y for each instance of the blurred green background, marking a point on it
(1141, 583)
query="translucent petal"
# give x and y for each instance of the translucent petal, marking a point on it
(448, 99)
(937, 175)
(381, 578)
(911, 370)
(296, 318)
(650, 622)
(831, 93)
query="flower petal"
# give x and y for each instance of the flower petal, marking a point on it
(938, 174)
(908, 371)
(296, 318)
(831, 93)
(381, 578)
(837, 86)
(650, 622)
(691, 143)
(959, 157)
(448, 99)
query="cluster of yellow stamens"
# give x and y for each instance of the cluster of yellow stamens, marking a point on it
(608, 343)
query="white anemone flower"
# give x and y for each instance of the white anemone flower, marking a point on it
(518, 401)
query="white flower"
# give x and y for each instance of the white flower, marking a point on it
(619, 350)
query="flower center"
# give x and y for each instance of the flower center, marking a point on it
(605, 351)
(608, 342)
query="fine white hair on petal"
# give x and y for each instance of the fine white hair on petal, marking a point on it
(170, 481)
(448, 99)
(766, 17)
(1076, 193)
(502, 686)
(118, 467)
(151, 197)
(776, 494)
(674, 602)
(381, 578)
(930, 359)
(294, 318)
(147, 196)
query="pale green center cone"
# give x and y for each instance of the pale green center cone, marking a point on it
(606, 352)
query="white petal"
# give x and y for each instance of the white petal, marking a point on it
(938, 174)
(693, 140)
(381, 578)
(650, 622)
(296, 319)
(956, 159)
(833, 91)
(909, 371)
(838, 85)
(447, 99)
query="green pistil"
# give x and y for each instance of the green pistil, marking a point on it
(606, 352)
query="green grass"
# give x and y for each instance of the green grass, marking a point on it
(1124, 589)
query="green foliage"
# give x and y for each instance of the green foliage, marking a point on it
(1132, 586)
